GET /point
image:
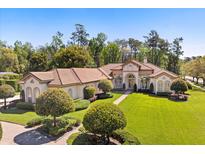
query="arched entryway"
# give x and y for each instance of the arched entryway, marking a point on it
(131, 80)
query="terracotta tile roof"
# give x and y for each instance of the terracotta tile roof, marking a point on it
(64, 76)
(143, 67)
(108, 68)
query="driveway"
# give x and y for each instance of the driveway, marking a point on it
(16, 97)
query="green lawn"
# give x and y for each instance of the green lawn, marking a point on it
(22, 117)
(156, 120)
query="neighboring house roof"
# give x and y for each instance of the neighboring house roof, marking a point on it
(69, 76)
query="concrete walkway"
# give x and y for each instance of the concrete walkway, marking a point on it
(10, 130)
(121, 98)
(18, 134)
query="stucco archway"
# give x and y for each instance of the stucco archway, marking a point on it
(130, 81)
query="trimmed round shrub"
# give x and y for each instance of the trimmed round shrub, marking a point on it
(125, 137)
(54, 102)
(22, 95)
(25, 106)
(103, 119)
(89, 92)
(6, 91)
(81, 104)
(13, 83)
(105, 85)
(179, 86)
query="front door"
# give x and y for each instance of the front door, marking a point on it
(131, 81)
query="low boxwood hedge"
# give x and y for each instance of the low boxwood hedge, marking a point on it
(81, 104)
(163, 93)
(125, 137)
(104, 95)
(25, 106)
(35, 122)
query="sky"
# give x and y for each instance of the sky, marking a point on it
(39, 25)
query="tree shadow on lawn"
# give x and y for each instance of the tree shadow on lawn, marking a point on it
(13, 110)
(88, 139)
(33, 137)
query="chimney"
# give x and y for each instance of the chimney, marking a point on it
(145, 60)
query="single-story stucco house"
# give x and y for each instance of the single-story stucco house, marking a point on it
(74, 80)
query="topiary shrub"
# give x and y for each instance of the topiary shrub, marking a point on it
(125, 137)
(151, 88)
(104, 96)
(25, 106)
(81, 104)
(54, 102)
(12, 83)
(89, 92)
(105, 85)
(189, 85)
(103, 119)
(123, 86)
(179, 86)
(6, 91)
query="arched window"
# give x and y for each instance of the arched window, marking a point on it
(36, 92)
(29, 94)
(70, 92)
(167, 85)
(160, 86)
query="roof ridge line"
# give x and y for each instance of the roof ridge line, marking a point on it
(102, 71)
(59, 76)
(76, 75)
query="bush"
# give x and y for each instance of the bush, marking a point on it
(105, 85)
(104, 95)
(125, 137)
(2, 82)
(10, 76)
(179, 86)
(35, 122)
(22, 95)
(25, 106)
(123, 86)
(81, 104)
(54, 102)
(13, 83)
(64, 124)
(189, 85)
(151, 88)
(89, 92)
(6, 91)
(103, 119)
(163, 93)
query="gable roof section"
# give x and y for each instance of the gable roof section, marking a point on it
(64, 76)
(108, 68)
(142, 67)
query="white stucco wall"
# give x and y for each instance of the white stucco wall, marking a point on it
(130, 69)
(33, 83)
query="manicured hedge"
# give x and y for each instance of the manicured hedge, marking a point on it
(81, 104)
(104, 95)
(163, 93)
(125, 137)
(35, 122)
(10, 76)
(89, 92)
(25, 106)
(2, 82)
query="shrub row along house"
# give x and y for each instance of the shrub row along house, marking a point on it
(129, 75)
